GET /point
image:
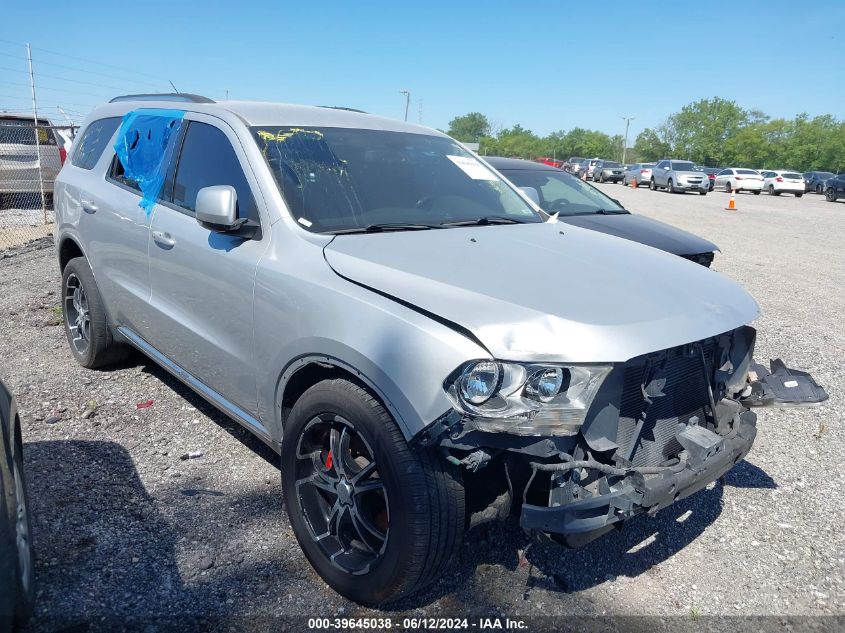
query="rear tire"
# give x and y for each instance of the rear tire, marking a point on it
(798, 195)
(772, 190)
(819, 189)
(756, 192)
(372, 539)
(86, 324)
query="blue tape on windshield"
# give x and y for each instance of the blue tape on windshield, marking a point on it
(144, 146)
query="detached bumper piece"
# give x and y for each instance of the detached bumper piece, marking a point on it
(781, 386)
(707, 456)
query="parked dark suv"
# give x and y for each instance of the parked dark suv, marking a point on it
(814, 180)
(834, 188)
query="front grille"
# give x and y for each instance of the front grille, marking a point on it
(705, 259)
(684, 395)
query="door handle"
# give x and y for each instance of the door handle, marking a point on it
(89, 207)
(163, 239)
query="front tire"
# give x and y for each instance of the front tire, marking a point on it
(728, 188)
(376, 520)
(86, 324)
(652, 185)
(702, 193)
(798, 195)
(756, 192)
(25, 571)
(670, 187)
(830, 194)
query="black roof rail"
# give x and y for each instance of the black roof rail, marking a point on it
(343, 108)
(183, 97)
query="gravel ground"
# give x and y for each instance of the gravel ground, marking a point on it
(125, 528)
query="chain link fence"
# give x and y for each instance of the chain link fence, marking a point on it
(30, 158)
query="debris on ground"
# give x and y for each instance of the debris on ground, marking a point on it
(89, 410)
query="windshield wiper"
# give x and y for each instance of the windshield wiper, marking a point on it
(609, 212)
(483, 221)
(386, 226)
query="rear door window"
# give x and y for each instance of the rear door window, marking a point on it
(90, 147)
(14, 131)
(207, 159)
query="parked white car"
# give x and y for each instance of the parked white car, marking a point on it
(782, 181)
(739, 179)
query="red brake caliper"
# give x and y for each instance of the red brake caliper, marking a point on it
(329, 461)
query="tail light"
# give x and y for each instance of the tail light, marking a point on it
(711, 176)
(737, 177)
(642, 171)
(63, 154)
(778, 179)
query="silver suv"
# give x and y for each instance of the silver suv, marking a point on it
(365, 296)
(678, 176)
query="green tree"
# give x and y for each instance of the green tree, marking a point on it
(699, 130)
(469, 128)
(650, 145)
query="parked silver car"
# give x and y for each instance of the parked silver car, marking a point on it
(365, 296)
(27, 154)
(607, 171)
(678, 176)
(641, 172)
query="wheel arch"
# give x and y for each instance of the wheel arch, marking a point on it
(69, 248)
(306, 371)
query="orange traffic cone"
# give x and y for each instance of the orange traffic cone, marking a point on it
(634, 183)
(731, 203)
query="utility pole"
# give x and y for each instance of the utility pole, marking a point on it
(628, 120)
(35, 129)
(407, 101)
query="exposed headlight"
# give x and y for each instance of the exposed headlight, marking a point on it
(525, 398)
(479, 382)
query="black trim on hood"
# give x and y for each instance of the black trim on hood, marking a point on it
(431, 315)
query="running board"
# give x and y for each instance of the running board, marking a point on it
(232, 410)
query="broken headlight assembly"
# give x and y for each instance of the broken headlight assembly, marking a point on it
(525, 398)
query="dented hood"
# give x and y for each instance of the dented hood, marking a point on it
(547, 291)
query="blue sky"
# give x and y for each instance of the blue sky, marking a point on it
(545, 65)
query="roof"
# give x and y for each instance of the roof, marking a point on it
(23, 117)
(499, 162)
(267, 113)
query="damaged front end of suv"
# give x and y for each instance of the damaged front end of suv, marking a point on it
(584, 447)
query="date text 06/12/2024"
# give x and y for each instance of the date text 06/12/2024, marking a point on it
(417, 624)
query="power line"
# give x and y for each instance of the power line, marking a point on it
(80, 92)
(57, 78)
(63, 55)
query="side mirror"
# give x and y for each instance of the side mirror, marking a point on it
(217, 207)
(666, 168)
(532, 193)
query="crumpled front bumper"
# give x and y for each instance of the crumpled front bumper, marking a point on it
(578, 522)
